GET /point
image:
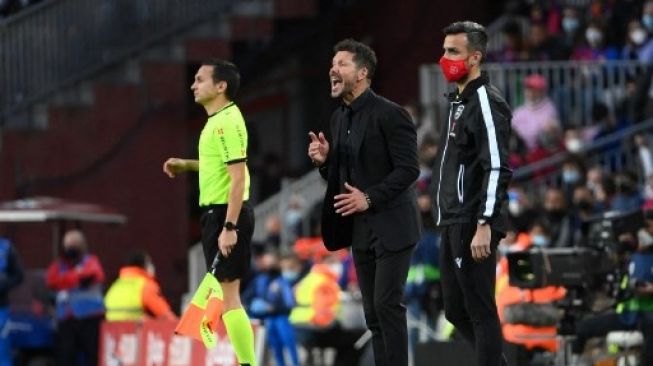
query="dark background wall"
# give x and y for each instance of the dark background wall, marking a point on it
(111, 152)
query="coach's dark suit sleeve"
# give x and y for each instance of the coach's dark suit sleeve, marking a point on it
(401, 139)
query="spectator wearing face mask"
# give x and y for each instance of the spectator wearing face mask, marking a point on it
(521, 212)
(573, 140)
(573, 174)
(646, 52)
(76, 277)
(136, 295)
(595, 47)
(572, 27)
(636, 38)
(269, 297)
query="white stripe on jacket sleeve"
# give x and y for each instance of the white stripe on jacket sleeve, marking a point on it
(495, 161)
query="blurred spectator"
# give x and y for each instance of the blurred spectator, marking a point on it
(583, 203)
(635, 307)
(528, 316)
(627, 195)
(318, 299)
(427, 151)
(645, 233)
(595, 47)
(604, 193)
(572, 30)
(293, 219)
(292, 269)
(538, 115)
(423, 290)
(636, 37)
(558, 218)
(76, 277)
(573, 174)
(573, 140)
(422, 125)
(514, 48)
(136, 295)
(594, 179)
(646, 52)
(608, 125)
(521, 211)
(620, 15)
(270, 298)
(645, 156)
(11, 275)
(272, 232)
(541, 45)
(648, 189)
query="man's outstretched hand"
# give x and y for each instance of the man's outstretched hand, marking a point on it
(318, 148)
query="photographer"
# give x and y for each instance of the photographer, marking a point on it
(635, 311)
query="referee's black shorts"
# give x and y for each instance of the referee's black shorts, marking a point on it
(236, 265)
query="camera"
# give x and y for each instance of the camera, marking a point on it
(587, 265)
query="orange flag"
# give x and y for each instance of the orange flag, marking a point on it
(200, 319)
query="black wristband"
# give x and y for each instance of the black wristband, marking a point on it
(230, 226)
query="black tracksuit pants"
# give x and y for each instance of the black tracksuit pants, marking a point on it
(468, 289)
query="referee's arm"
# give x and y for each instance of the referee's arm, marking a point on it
(237, 173)
(174, 166)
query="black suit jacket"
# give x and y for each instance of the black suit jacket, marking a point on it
(384, 149)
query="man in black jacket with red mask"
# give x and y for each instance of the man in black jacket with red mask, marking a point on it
(470, 179)
(370, 201)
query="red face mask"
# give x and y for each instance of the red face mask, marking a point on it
(453, 70)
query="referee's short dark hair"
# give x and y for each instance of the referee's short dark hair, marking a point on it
(476, 35)
(228, 72)
(364, 56)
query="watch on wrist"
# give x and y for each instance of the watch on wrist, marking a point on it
(230, 226)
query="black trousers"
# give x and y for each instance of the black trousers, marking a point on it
(468, 289)
(600, 325)
(382, 279)
(78, 341)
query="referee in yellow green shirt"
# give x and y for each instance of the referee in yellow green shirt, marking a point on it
(227, 219)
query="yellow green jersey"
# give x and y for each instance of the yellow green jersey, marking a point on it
(223, 141)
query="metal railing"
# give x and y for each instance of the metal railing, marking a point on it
(573, 86)
(57, 43)
(309, 187)
(613, 153)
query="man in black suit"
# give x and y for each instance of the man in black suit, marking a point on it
(370, 200)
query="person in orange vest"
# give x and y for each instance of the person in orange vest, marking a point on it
(77, 277)
(318, 300)
(136, 295)
(510, 298)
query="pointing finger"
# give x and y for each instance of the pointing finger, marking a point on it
(313, 137)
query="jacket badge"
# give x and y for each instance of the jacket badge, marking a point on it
(458, 112)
